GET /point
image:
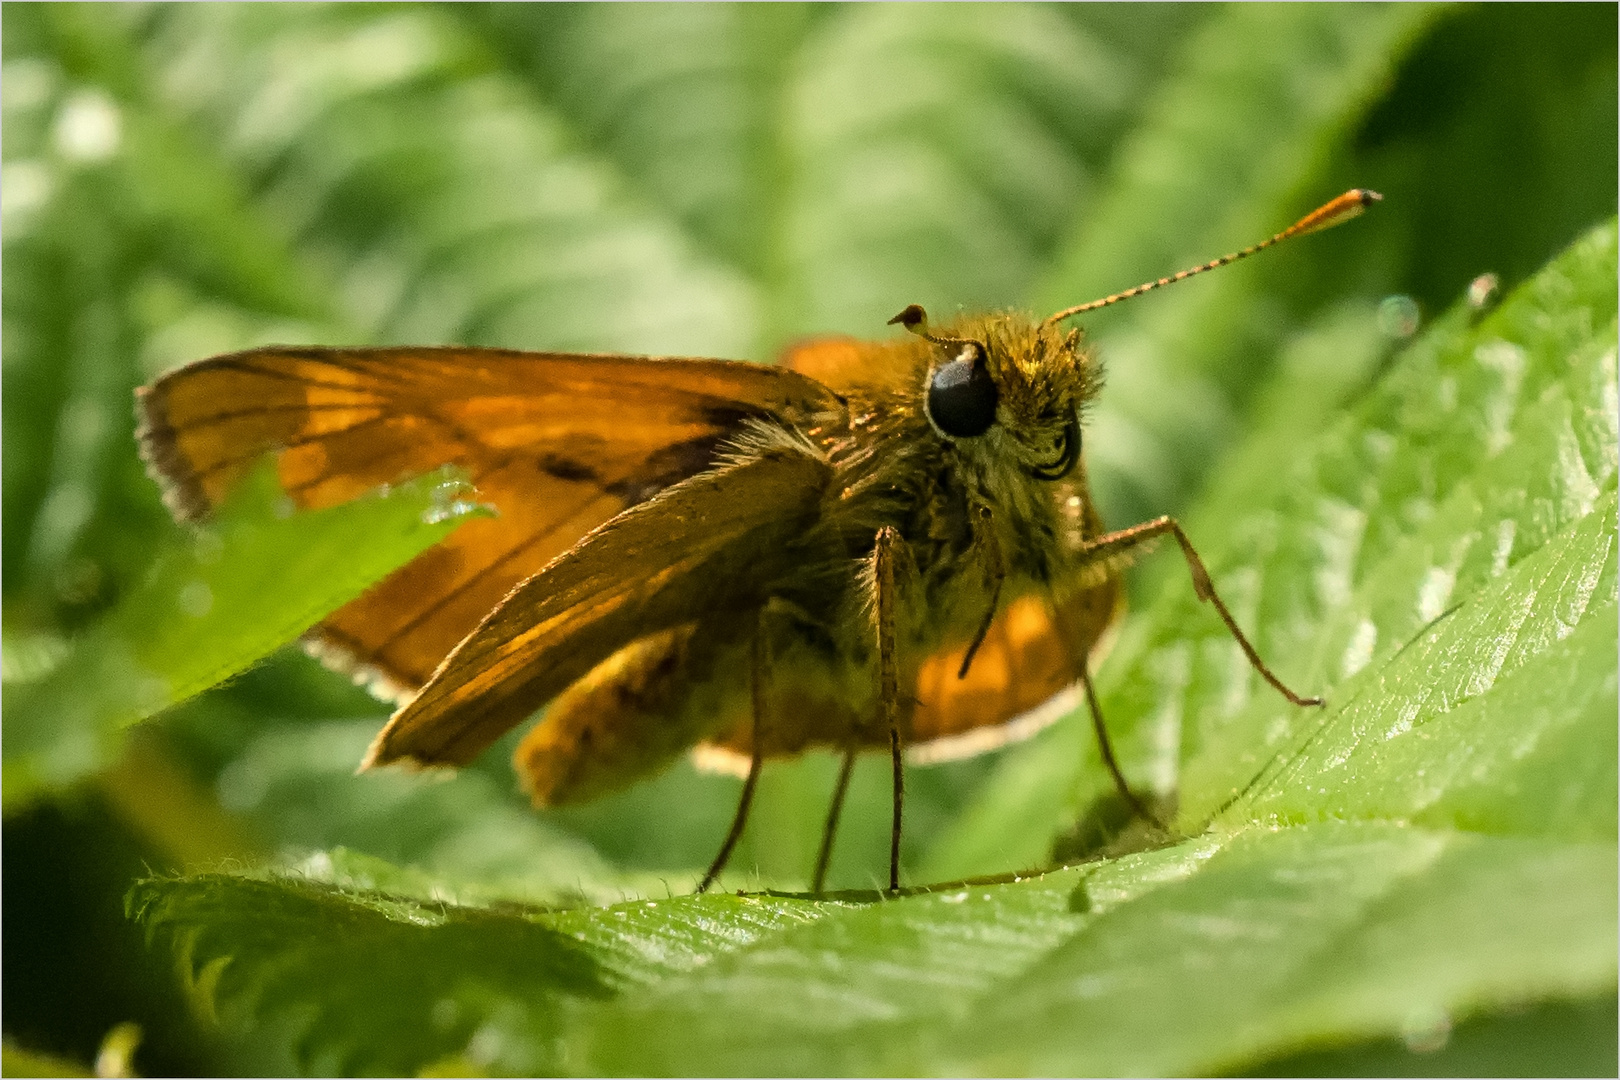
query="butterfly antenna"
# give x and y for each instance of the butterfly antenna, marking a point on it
(1349, 205)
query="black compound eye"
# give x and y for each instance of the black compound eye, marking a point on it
(961, 394)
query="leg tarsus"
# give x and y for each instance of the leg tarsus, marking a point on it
(1107, 749)
(737, 824)
(830, 832)
(899, 806)
(755, 761)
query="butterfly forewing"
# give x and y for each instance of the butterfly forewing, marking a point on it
(557, 443)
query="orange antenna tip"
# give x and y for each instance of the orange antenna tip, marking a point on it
(1352, 204)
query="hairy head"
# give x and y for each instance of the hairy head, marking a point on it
(1006, 381)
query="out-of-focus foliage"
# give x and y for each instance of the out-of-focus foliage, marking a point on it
(215, 603)
(1428, 538)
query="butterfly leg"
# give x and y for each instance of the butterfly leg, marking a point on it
(834, 812)
(1118, 543)
(1104, 745)
(995, 572)
(1107, 750)
(738, 822)
(884, 555)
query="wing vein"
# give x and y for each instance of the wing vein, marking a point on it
(247, 367)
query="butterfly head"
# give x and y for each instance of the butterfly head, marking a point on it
(1007, 386)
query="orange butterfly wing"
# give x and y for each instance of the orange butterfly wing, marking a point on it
(1022, 666)
(836, 361)
(558, 443)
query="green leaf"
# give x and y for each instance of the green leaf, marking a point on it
(407, 1010)
(1194, 958)
(490, 986)
(1459, 726)
(1331, 930)
(1190, 960)
(219, 600)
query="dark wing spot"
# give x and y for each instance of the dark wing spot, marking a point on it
(566, 468)
(676, 462)
(668, 466)
(728, 415)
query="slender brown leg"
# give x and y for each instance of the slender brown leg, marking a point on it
(1104, 744)
(1107, 749)
(1115, 543)
(739, 821)
(883, 556)
(834, 812)
(899, 806)
(995, 572)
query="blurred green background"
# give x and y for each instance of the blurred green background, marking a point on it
(183, 180)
